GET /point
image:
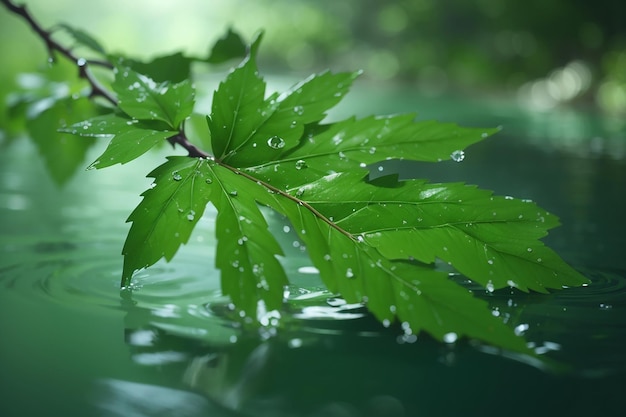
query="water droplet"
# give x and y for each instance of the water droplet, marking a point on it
(490, 287)
(349, 273)
(457, 156)
(484, 135)
(529, 249)
(286, 229)
(300, 192)
(381, 168)
(191, 216)
(386, 323)
(276, 142)
(521, 329)
(209, 181)
(450, 337)
(298, 110)
(605, 306)
(300, 164)
(233, 193)
(490, 261)
(176, 176)
(81, 62)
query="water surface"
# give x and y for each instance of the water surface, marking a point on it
(72, 344)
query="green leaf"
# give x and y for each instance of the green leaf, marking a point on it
(167, 214)
(492, 240)
(63, 154)
(84, 38)
(246, 250)
(130, 137)
(228, 47)
(420, 297)
(142, 98)
(353, 144)
(247, 128)
(373, 242)
(174, 68)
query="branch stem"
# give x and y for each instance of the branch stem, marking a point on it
(288, 196)
(83, 64)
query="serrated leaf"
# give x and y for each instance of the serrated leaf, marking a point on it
(420, 297)
(353, 144)
(142, 98)
(84, 38)
(246, 127)
(492, 240)
(246, 250)
(167, 214)
(289, 113)
(228, 47)
(130, 138)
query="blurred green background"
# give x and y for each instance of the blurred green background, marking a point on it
(543, 53)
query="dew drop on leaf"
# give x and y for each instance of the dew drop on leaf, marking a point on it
(276, 142)
(300, 192)
(176, 176)
(191, 216)
(457, 156)
(298, 110)
(234, 193)
(209, 181)
(450, 337)
(300, 164)
(490, 287)
(349, 273)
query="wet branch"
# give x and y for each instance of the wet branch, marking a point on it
(97, 90)
(52, 46)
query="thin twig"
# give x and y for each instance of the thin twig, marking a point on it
(52, 46)
(83, 71)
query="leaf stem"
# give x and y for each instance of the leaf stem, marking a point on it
(289, 197)
(83, 71)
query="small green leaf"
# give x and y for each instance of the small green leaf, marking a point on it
(174, 68)
(144, 99)
(130, 137)
(168, 212)
(84, 38)
(228, 47)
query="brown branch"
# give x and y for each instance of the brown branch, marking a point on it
(97, 90)
(52, 46)
(194, 152)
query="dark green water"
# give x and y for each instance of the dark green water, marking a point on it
(72, 345)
